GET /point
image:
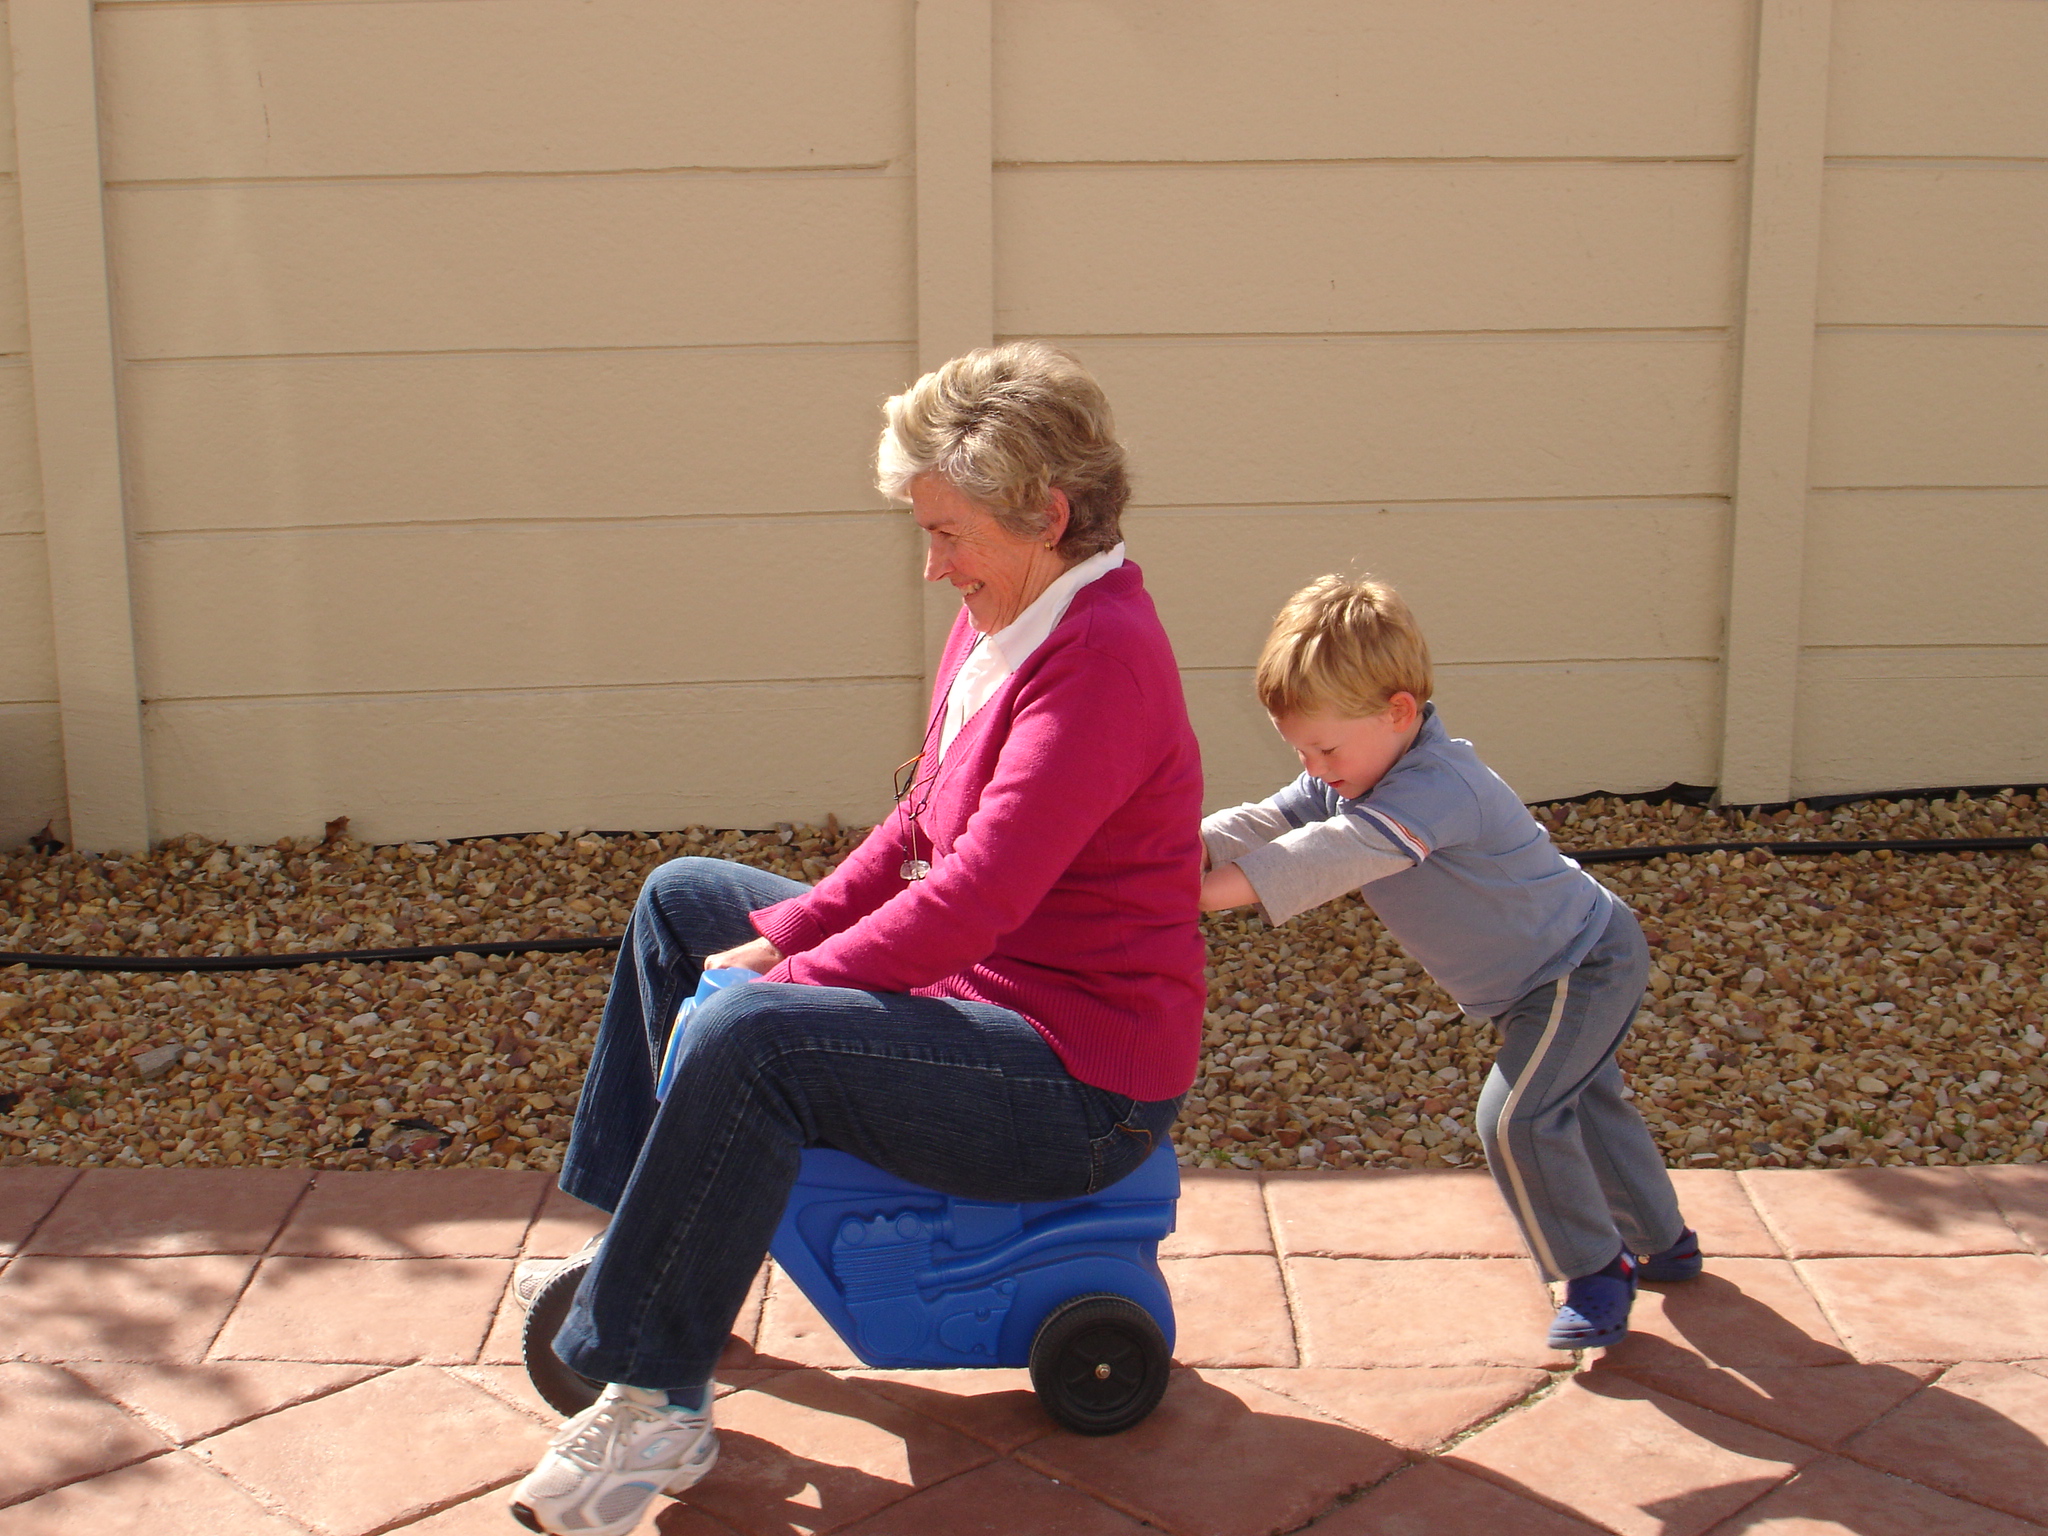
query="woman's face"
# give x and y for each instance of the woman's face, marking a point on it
(997, 573)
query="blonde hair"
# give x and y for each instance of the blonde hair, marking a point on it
(1006, 426)
(1342, 645)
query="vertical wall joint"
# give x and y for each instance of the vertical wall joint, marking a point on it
(1774, 400)
(955, 154)
(71, 358)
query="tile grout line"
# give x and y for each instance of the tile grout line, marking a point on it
(1991, 1194)
(511, 1273)
(248, 1280)
(1820, 1305)
(50, 1210)
(170, 1446)
(1294, 1309)
(261, 1498)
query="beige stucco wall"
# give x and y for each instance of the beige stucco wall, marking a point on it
(496, 380)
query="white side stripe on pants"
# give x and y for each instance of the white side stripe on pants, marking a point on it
(1526, 1210)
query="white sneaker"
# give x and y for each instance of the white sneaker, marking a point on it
(532, 1275)
(605, 1466)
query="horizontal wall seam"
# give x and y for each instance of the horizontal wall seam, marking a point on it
(1913, 489)
(1626, 332)
(517, 524)
(248, 5)
(1544, 664)
(857, 345)
(1395, 503)
(1930, 645)
(531, 690)
(1922, 162)
(1706, 500)
(1340, 161)
(852, 169)
(1975, 327)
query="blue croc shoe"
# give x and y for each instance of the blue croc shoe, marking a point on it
(1596, 1306)
(1681, 1261)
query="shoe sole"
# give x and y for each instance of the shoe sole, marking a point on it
(1607, 1340)
(684, 1480)
(1669, 1274)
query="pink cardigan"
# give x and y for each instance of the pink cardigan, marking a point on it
(1063, 831)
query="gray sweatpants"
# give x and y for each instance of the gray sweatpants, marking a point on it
(1573, 1159)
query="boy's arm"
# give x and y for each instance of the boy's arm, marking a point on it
(1229, 833)
(1307, 866)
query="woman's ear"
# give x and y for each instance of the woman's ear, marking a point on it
(1058, 511)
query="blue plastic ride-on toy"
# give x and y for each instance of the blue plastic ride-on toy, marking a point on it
(913, 1278)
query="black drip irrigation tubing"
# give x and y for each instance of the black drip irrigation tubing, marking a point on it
(289, 961)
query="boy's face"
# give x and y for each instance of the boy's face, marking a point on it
(1351, 753)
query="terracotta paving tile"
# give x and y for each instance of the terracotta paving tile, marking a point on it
(1365, 1312)
(1418, 1407)
(378, 1311)
(1833, 1497)
(117, 1309)
(746, 1327)
(1392, 1214)
(167, 1494)
(502, 1345)
(809, 1452)
(510, 1385)
(2021, 1194)
(417, 1213)
(1821, 1405)
(1741, 1312)
(1221, 1211)
(148, 1212)
(1980, 1432)
(26, 1195)
(1435, 1500)
(793, 1332)
(1002, 1499)
(1613, 1452)
(1989, 1308)
(190, 1402)
(488, 1514)
(563, 1225)
(1220, 1456)
(1230, 1309)
(1865, 1212)
(1716, 1206)
(996, 1407)
(431, 1439)
(55, 1429)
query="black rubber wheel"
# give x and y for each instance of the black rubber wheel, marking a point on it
(1099, 1364)
(567, 1392)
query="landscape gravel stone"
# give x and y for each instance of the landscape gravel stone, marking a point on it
(1825, 1011)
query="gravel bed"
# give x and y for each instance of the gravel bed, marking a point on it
(1826, 1011)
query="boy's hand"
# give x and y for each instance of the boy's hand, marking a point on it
(1226, 886)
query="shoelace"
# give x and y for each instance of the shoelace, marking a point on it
(583, 1440)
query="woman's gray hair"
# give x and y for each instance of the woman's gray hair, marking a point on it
(1006, 426)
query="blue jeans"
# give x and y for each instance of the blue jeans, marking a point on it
(965, 1098)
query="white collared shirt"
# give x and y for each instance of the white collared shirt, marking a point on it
(996, 656)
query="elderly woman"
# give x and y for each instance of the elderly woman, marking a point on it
(998, 994)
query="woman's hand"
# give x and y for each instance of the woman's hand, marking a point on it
(759, 956)
(1227, 886)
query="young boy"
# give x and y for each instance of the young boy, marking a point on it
(1468, 883)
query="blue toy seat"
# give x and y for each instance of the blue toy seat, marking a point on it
(910, 1277)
